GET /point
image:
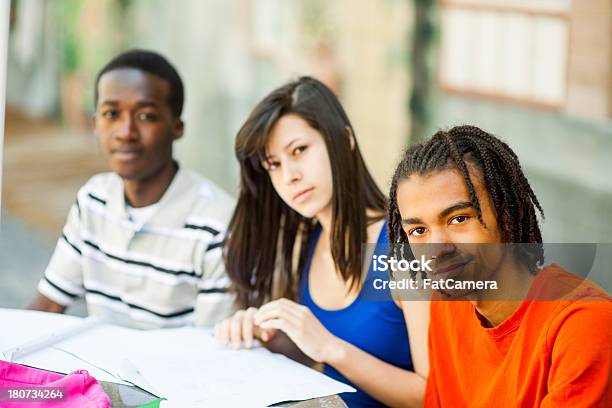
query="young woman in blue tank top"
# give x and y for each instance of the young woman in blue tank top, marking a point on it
(306, 205)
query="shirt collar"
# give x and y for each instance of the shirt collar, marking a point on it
(171, 206)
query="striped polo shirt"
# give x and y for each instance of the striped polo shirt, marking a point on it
(163, 270)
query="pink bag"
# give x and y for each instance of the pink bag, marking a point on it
(20, 386)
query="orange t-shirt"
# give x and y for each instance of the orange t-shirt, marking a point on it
(546, 354)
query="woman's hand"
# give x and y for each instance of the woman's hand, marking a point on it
(240, 327)
(302, 327)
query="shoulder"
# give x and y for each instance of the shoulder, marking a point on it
(570, 308)
(556, 284)
(99, 187)
(377, 231)
(211, 202)
(582, 318)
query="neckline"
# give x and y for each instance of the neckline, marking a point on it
(512, 322)
(314, 240)
(118, 203)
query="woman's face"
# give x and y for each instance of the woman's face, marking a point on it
(299, 166)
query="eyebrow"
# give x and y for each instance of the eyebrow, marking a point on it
(290, 143)
(462, 205)
(144, 103)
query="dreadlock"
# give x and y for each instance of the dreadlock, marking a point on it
(513, 199)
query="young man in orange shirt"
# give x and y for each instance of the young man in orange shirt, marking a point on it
(507, 347)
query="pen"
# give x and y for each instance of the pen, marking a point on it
(31, 346)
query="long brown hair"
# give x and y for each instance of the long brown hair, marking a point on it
(264, 232)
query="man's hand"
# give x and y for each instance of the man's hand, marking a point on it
(44, 304)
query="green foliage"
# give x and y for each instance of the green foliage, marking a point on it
(423, 38)
(68, 12)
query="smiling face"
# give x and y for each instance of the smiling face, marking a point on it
(134, 123)
(436, 209)
(299, 166)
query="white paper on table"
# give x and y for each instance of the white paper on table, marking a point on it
(97, 350)
(107, 351)
(185, 365)
(50, 339)
(201, 372)
(20, 326)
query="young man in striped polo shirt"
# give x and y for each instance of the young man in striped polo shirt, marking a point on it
(142, 244)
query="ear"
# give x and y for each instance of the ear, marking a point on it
(179, 128)
(351, 137)
(94, 125)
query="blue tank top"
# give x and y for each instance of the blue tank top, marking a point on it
(375, 326)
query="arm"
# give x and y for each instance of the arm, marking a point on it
(44, 304)
(214, 301)
(281, 343)
(389, 384)
(62, 283)
(416, 314)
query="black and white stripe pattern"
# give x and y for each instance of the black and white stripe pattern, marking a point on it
(150, 275)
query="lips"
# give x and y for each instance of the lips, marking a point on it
(301, 194)
(127, 154)
(450, 270)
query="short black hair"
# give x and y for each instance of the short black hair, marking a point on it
(152, 63)
(514, 201)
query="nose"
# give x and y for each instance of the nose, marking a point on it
(125, 129)
(291, 172)
(440, 244)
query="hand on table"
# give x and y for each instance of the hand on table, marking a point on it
(302, 327)
(240, 327)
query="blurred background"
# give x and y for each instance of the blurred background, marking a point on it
(537, 73)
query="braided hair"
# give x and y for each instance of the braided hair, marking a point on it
(513, 199)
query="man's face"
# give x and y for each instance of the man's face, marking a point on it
(441, 222)
(134, 123)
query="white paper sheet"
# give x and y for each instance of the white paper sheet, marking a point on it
(23, 326)
(20, 326)
(206, 373)
(187, 365)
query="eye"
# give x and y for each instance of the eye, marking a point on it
(299, 150)
(110, 114)
(147, 116)
(459, 219)
(415, 232)
(270, 165)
